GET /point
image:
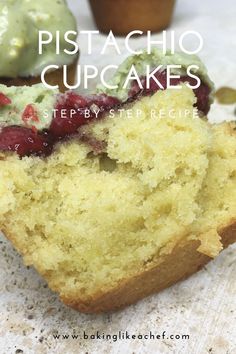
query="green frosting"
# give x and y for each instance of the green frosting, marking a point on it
(41, 99)
(20, 21)
(156, 58)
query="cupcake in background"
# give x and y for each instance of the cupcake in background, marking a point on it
(20, 62)
(124, 16)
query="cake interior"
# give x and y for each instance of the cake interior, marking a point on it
(88, 220)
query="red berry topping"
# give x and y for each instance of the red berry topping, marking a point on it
(30, 113)
(24, 141)
(34, 129)
(73, 110)
(4, 100)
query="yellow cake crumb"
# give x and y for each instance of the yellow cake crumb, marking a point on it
(85, 222)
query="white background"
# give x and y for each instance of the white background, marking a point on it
(203, 306)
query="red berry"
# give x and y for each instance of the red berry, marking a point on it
(74, 110)
(34, 129)
(75, 100)
(24, 141)
(4, 100)
(30, 113)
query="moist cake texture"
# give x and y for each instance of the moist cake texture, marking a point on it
(88, 221)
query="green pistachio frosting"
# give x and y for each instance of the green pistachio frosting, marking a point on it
(20, 22)
(38, 97)
(154, 59)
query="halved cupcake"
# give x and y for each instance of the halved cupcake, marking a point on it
(108, 201)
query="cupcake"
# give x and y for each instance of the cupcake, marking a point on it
(116, 208)
(20, 62)
(123, 16)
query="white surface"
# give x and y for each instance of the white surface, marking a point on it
(204, 306)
